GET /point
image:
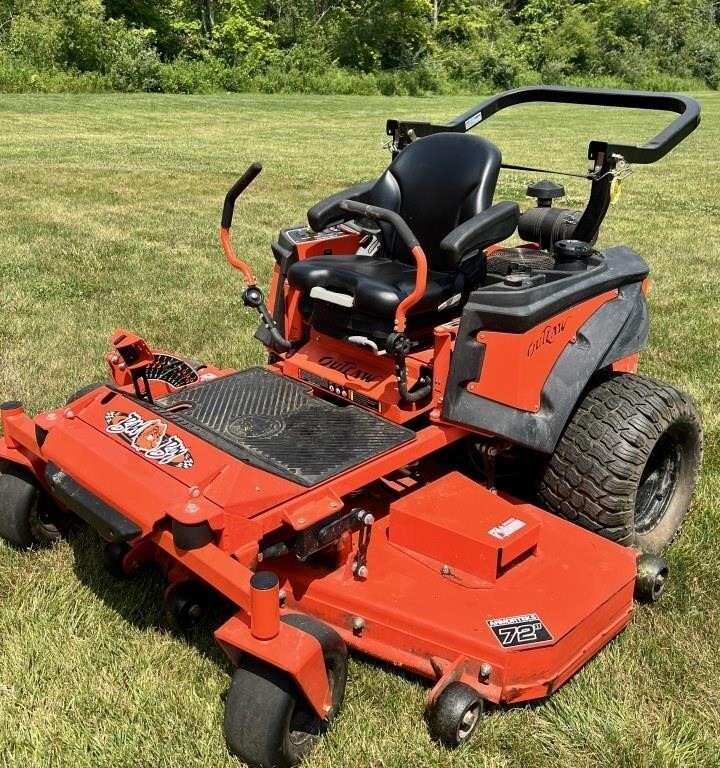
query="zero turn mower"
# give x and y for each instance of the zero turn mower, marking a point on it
(449, 461)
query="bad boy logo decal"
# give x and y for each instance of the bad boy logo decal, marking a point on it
(149, 437)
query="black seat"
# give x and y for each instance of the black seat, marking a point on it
(377, 285)
(440, 185)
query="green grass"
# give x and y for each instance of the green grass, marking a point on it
(110, 206)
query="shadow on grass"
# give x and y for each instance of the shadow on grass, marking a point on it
(140, 600)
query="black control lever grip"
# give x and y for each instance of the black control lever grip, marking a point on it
(235, 191)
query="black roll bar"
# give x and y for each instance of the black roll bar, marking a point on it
(604, 155)
(687, 109)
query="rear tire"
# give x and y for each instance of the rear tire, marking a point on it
(27, 515)
(628, 462)
(268, 723)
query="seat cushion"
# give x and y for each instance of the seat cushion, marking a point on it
(377, 285)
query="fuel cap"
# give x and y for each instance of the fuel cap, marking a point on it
(572, 250)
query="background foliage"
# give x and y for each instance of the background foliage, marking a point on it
(355, 46)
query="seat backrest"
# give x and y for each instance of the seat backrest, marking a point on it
(435, 184)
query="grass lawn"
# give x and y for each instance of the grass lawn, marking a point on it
(110, 210)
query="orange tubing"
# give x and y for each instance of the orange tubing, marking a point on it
(418, 292)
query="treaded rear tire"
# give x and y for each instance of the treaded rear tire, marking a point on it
(27, 516)
(628, 462)
(86, 390)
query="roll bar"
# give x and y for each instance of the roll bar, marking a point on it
(687, 109)
(605, 155)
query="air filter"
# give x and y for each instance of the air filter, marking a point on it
(507, 260)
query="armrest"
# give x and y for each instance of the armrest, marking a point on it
(328, 211)
(484, 229)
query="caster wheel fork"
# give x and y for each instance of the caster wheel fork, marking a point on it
(268, 723)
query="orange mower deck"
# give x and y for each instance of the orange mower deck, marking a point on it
(456, 582)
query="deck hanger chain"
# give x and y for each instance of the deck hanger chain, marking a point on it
(360, 569)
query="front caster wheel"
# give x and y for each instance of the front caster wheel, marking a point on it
(268, 723)
(454, 715)
(27, 515)
(114, 559)
(187, 604)
(651, 579)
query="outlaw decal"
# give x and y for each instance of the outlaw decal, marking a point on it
(548, 334)
(149, 437)
(348, 369)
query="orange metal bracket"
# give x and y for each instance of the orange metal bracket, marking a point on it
(292, 650)
(296, 652)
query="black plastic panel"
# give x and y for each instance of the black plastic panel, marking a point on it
(277, 424)
(499, 307)
(618, 328)
(108, 522)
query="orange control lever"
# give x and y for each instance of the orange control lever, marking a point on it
(226, 222)
(232, 258)
(418, 292)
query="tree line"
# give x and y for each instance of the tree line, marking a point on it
(356, 46)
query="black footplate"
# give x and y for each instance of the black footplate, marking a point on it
(278, 425)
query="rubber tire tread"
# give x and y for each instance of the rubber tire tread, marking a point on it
(17, 495)
(593, 475)
(86, 390)
(443, 717)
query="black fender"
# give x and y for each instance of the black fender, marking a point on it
(634, 334)
(617, 329)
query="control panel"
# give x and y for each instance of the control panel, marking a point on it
(341, 391)
(306, 235)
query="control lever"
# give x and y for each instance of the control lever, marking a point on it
(363, 210)
(398, 345)
(253, 296)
